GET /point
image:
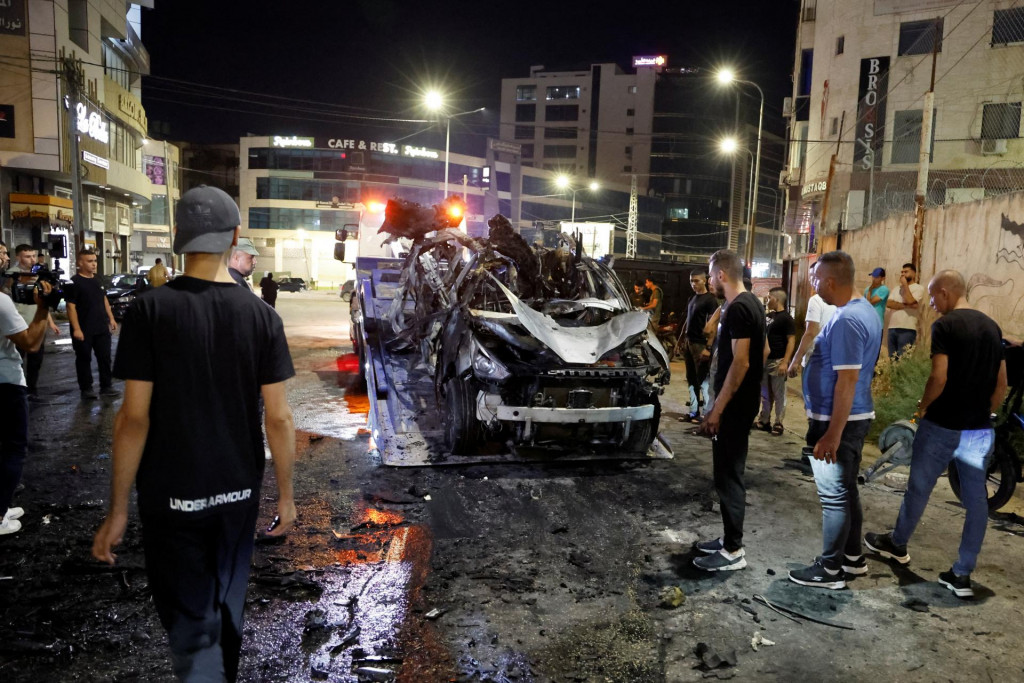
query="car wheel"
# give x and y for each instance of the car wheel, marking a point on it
(462, 428)
(346, 296)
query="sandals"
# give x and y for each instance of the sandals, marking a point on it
(777, 429)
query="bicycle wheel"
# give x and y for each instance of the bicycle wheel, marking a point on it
(1001, 478)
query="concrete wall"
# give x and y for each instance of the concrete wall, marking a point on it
(984, 240)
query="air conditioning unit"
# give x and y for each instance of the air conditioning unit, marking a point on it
(993, 146)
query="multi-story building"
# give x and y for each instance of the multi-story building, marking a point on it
(295, 192)
(862, 70)
(71, 115)
(151, 238)
(662, 126)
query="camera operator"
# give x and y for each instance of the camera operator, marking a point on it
(27, 257)
(15, 335)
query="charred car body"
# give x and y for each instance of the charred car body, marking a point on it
(525, 346)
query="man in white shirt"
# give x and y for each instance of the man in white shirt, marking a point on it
(906, 311)
(817, 316)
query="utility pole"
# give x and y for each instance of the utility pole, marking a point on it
(826, 202)
(74, 79)
(631, 225)
(925, 155)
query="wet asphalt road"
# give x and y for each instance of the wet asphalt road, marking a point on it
(497, 572)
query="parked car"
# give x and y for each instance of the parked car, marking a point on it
(346, 290)
(291, 284)
(121, 291)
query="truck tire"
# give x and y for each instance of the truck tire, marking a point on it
(1001, 477)
(462, 428)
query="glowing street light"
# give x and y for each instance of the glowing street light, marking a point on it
(726, 76)
(564, 183)
(730, 146)
(433, 100)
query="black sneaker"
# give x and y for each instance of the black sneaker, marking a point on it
(960, 585)
(816, 575)
(857, 566)
(110, 392)
(721, 561)
(89, 395)
(883, 545)
(710, 547)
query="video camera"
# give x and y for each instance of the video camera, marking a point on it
(24, 292)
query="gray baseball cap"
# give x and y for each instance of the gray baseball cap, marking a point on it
(246, 246)
(205, 219)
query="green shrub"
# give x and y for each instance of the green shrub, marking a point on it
(897, 387)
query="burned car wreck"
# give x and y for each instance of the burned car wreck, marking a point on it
(527, 346)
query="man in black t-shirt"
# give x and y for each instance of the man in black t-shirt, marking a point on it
(737, 385)
(781, 344)
(696, 351)
(92, 322)
(966, 385)
(196, 356)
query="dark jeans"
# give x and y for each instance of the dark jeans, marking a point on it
(93, 344)
(900, 338)
(842, 518)
(696, 371)
(13, 440)
(198, 571)
(729, 455)
(33, 364)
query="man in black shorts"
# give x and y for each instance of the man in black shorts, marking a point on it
(196, 355)
(737, 385)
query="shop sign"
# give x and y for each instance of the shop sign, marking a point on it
(815, 188)
(12, 17)
(874, 86)
(154, 169)
(292, 141)
(420, 152)
(132, 108)
(362, 145)
(650, 60)
(91, 123)
(505, 146)
(158, 242)
(91, 158)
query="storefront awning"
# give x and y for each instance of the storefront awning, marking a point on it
(40, 210)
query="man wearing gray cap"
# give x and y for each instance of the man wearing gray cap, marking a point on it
(196, 355)
(243, 261)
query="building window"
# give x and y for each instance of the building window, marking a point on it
(630, 112)
(629, 152)
(906, 137)
(833, 128)
(526, 112)
(524, 133)
(562, 112)
(629, 131)
(526, 93)
(627, 169)
(527, 151)
(559, 151)
(563, 92)
(78, 23)
(1008, 26)
(1000, 121)
(631, 90)
(918, 37)
(552, 133)
(840, 45)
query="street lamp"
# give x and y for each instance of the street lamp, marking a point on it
(434, 101)
(564, 183)
(731, 146)
(727, 77)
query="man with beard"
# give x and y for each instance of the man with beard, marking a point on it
(243, 261)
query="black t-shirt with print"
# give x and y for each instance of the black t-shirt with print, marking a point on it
(208, 348)
(973, 343)
(742, 318)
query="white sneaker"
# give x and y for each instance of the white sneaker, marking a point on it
(14, 513)
(9, 526)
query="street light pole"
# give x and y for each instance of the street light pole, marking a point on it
(726, 76)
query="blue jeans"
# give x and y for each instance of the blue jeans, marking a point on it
(934, 448)
(899, 338)
(842, 518)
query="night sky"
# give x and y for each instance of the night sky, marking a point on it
(308, 67)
